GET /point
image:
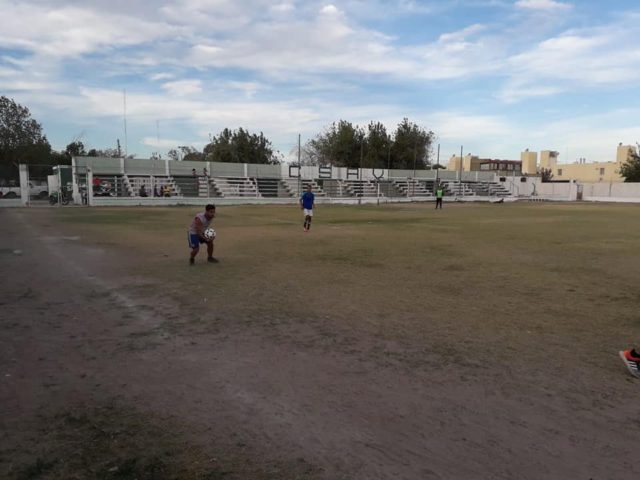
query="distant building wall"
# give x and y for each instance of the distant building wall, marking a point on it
(548, 159)
(625, 152)
(588, 172)
(529, 162)
(454, 163)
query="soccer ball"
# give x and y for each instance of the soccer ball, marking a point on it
(209, 234)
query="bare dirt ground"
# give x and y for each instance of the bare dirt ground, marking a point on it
(107, 371)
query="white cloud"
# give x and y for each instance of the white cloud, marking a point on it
(542, 5)
(72, 31)
(249, 89)
(461, 35)
(231, 63)
(183, 88)
(168, 144)
(597, 57)
(161, 76)
(329, 10)
(282, 8)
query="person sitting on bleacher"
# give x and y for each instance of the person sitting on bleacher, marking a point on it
(143, 191)
(105, 189)
(167, 190)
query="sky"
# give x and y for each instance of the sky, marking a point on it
(493, 76)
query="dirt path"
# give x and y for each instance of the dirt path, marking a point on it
(277, 400)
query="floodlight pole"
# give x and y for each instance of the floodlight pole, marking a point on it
(299, 168)
(460, 172)
(124, 101)
(415, 155)
(437, 164)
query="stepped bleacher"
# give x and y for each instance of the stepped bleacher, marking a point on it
(188, 186)
(411, 187)
(241, 180)
(152, 183)
(237, 187)
(334, 188)
(361, 188)
(296, 186)
(272, 188)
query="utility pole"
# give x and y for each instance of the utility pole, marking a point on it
(389, 157)
(437, 165)
(460, 173)
(415, 157)
(124, 98)
(361, 156)
(299, 166)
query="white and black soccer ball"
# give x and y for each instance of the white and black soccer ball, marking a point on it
(209, 234)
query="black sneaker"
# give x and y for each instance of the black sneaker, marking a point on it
(192, 260)
(212, 260)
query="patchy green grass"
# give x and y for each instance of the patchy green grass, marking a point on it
(116, 443)
(495, 270)
(547, 292)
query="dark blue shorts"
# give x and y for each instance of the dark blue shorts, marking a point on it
(194, 240)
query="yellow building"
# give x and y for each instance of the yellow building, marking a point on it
(470, 163)
(548, 159)
(593, 171)
(528, 165)
(529, 162)
(473, 163)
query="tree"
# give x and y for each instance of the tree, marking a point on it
(107, 152)
(546, 174)
(630, 170)
(341, 145)
(21, 139)
(378, 146)
(191, 154)
(74, 149)
(240, 146)
(345, 145)
(307, 156)
(411, 146)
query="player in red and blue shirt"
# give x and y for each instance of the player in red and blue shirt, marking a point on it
(196, 234)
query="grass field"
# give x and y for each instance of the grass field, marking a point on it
(483, 274)
(396, 329)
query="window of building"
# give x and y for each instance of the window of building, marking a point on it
(602, 171)
(559, 172)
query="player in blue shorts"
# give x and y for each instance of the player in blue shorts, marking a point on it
(307, 201)
(196, 234)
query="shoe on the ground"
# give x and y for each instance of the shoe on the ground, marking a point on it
(192, 260)
(212, 260)
(631, 360)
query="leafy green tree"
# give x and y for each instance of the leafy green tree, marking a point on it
(345, 145)
(221, 148)
(341, 144)
(74, 149)
(108, 152)
(630, 170)
(191, 154)
(21, 139)
(240, 146)
(411, 146)
(378, 146)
